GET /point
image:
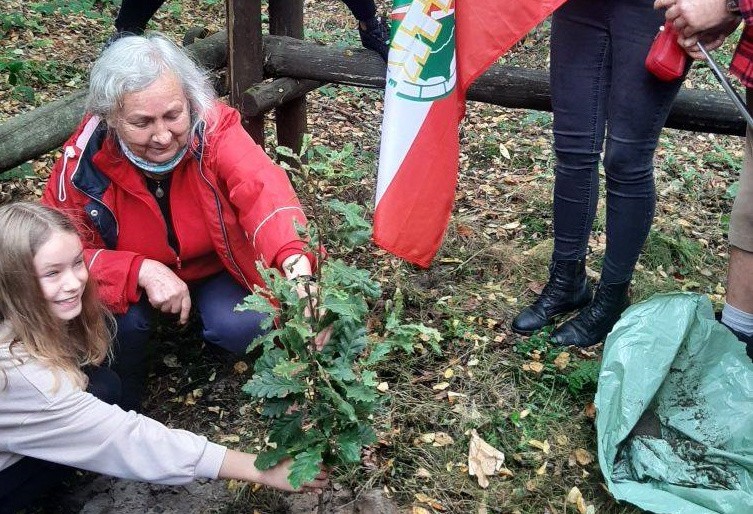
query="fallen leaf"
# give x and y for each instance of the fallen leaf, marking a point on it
(574, 495)
(383, 387)
(423, 473)
(484, 460)
(524, 413)
(419, 510)
(442, 439)
(562, 360)
(535, 367)
(230, 438)
(541, 445)
(590, 410)
(441, 386)
(427, 438)
(583, 457)
(503, 150)
(542, 469)
(240, 367)
(449, 373)
(428, 500)
(171, 361)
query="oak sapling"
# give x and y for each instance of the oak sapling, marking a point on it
(321, 404)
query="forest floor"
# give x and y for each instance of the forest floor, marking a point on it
(530, 400)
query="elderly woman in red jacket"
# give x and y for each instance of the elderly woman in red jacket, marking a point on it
(174, 201)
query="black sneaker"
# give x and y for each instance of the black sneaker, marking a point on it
(376, 36)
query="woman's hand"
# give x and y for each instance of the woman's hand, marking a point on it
(164, 289)
(297, 267)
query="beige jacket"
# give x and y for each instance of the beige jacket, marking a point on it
(70, 426)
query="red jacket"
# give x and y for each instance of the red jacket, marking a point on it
(231, 206)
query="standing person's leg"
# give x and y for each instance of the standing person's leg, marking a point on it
(738, 310)
(25, 483)
(580, 82)
(638, 106)
(215, 299)
(135, 14)
(131, 351)
(374, 31)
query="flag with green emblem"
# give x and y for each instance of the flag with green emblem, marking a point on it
(438, 48)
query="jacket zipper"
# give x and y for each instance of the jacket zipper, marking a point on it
(222, 223)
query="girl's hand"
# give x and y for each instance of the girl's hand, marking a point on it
(277, 477)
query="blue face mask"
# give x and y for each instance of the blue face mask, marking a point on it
(153, 167)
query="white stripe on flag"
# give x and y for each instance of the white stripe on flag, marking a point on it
(402, 120)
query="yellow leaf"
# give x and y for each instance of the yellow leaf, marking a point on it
(419, 510)
(230, 438)
(536, 367)
(448, 373)
(542, 469)
(574, 495)
(503, 150)
(562, 360)
(240, 367)
(543, 446)
(428, 500)
(442, 439)
(423, 473)
(583, 457)
(562, 440)
(524, 413)
(428, 437)
(441, 386)
(484, 460)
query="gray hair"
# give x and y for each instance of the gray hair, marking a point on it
(132, 63)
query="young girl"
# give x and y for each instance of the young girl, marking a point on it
(55, 397)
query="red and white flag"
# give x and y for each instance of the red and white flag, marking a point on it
(438, 48)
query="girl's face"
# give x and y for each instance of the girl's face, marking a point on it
(155, 123)
(62, 274)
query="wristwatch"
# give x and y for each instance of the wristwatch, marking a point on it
(733, 6)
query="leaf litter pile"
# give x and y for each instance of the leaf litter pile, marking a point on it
(496, 422)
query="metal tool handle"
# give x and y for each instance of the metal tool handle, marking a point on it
(724, 81)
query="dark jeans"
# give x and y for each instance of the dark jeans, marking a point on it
(214, 300)
(26, 482)
(600, 84)
(135, 14)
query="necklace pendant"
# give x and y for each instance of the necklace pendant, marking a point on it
(159, 193)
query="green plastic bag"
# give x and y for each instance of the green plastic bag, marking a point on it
(675, 410)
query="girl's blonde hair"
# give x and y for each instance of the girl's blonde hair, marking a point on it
(66, 346)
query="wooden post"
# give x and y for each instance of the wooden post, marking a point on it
(286, 19)
(244, 58)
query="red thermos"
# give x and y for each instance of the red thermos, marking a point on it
(666, 59)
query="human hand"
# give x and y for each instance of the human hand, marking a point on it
(305, 288)
(298, 269)
(711, 39)
(694, 16)
(277, 477)
(164, 289)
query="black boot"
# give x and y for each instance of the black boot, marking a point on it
(745, 339)
(593, 323)
(567, 290)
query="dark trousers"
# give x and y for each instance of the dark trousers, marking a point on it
(600, 85)
(135, 14)
(214, 300)
(28, 480)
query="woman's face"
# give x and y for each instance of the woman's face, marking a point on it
(154, 123)
(62, 274)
